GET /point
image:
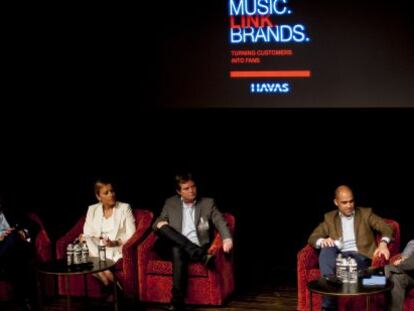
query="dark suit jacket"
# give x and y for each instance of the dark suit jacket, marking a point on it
(13, 249)
(204, 208)
(365, 223)
(20, 220)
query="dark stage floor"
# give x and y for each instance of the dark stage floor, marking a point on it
(283, 299)
(274, 290)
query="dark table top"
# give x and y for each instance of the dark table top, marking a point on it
(59, 267)
(324, 287)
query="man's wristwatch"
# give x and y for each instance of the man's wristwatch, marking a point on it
(385, 241)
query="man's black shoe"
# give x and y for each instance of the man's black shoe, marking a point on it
(26, 305)
(175, 307)
(208, 260)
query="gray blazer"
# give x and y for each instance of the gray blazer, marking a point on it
(205, 210)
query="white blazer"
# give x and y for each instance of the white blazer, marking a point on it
(124, 227)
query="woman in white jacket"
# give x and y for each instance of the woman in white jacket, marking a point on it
(110, 219)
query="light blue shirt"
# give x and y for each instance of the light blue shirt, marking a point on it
(348, 233)
(4, 225)
(188, 224)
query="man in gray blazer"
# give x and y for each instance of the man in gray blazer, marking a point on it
(401, 273)
(186, 225)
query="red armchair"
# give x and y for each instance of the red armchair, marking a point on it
(44, 253)
(205, 286)
(409, 297)
(126, 270)
(308, 270)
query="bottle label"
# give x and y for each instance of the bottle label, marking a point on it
(69, 258)
(102, 254)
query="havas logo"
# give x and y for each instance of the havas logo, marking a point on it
(269, 87)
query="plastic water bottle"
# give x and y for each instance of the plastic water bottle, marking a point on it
(77, 254)
(69, 254)
(345, 276)
(353, 271)
(342, 273)
(85, 252)
(339, 266)
(101, 249)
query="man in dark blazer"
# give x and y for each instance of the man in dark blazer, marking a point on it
(185, 226)
(348, 230)
(17, 255)
(401, 273)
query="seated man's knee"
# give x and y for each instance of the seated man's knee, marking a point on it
(161, 224)
(399, 280)
(163, 230)
(328, 251)
(160, 232)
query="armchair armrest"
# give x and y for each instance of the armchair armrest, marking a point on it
(145, 248)
(379, 261)
(43, 246)
(307, 258)
(144, 253)
(129, 250)
(68, 238)
(216, 245)
(42, 241)
(393, 246)
(222, 272)
(143, 225)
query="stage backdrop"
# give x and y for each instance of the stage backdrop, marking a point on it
(284, 53)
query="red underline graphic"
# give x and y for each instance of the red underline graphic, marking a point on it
(271, 74)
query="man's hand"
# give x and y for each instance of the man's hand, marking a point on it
(227, 245)
(22, 234)
(399, 260)
(161, 223)
(382, 249)
(6, 233)
(328, 242)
